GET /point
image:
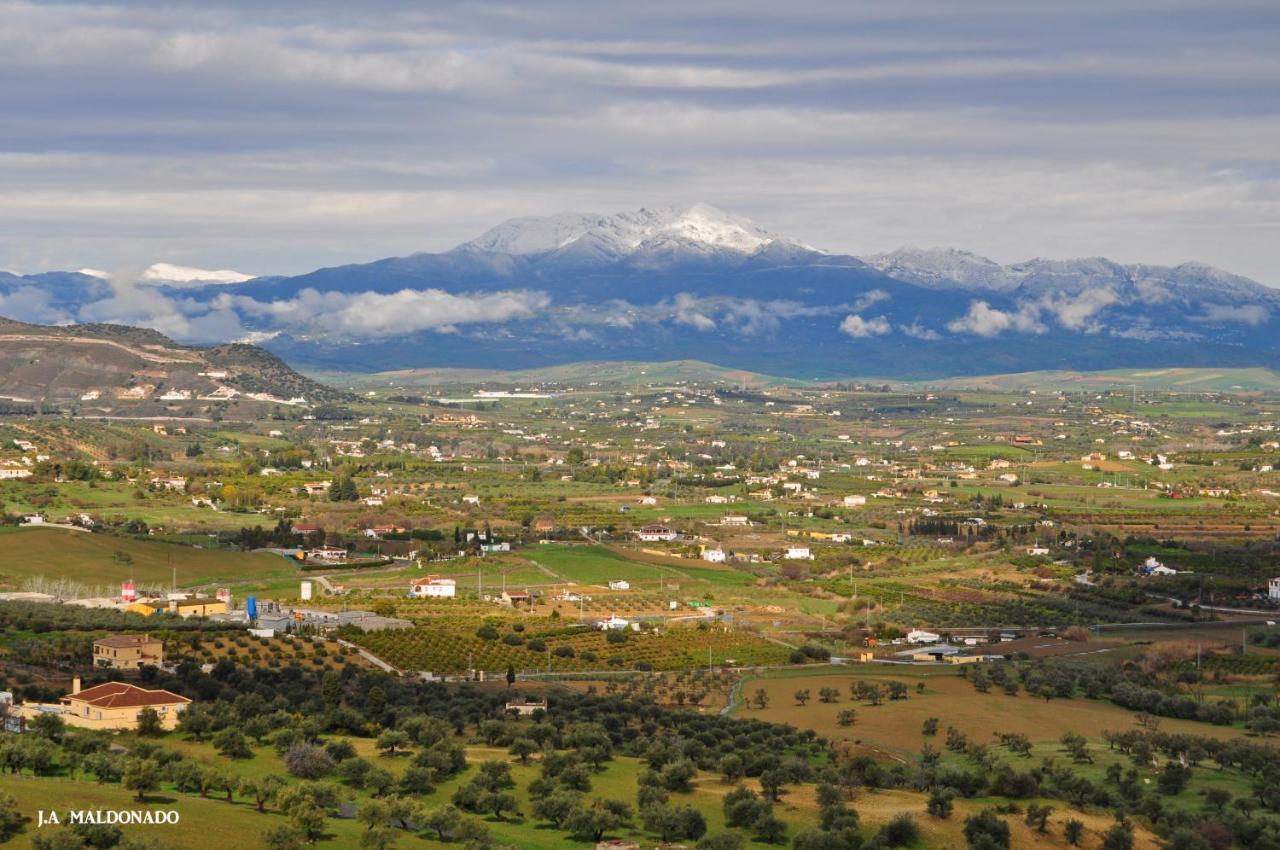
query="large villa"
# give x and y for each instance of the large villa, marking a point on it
(111, 705)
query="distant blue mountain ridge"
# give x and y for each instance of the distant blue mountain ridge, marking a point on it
(692, 283)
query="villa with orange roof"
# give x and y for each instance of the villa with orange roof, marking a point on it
(111, 705)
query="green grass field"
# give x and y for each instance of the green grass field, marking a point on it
(96, 559)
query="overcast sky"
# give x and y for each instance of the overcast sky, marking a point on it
(223, 135)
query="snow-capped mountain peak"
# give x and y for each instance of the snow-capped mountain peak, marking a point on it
(699, 225)
(944, 267)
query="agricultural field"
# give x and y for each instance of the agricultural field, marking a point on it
(698, 553)
(95, 560)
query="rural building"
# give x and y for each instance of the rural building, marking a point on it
(127, 652)
(921, 636)
(715, 556)
(199, 606)
(525, 707)
(615, 623)
(735, 519)
(655, 533)
(516, 597)
(854, 501)
(1273, 589)
(798, 553)
(433, 587)
(617, 844)
(327, 553)
(113, 705)
(619, 584)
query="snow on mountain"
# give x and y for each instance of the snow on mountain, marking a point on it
(622, 234)
(98, 273)
(942, 268)
(169, 273)
(948, 268)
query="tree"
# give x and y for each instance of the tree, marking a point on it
(149, 725)
(140, 776)
(1118, 837)
(985, 830)
(730, 839)
(771, 782)
(522, 748)
(391, 740)
(1217, 799)
(732, 768)
(307, 761)
(591, 822)
(444, 822)
(511, 675)
(930, 727)
(60, 839)
(1038, 816)
(761, 698)
(847, 716)
(1073, 831)
(284, 836)
(802, 696)
(343, 489)
(261, 789)
(769, 828)
(557, 806)
(49, 726)
(378, 838)
(232, 744)
(11, 817)
(672, 823)
(941, 802)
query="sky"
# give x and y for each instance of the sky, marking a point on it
(274, 138)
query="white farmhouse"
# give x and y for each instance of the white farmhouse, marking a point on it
(433, 587)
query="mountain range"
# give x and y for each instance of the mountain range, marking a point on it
(691, 283)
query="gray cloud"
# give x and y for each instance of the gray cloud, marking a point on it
(275, 138)
(1248, 314)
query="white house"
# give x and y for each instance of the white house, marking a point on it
(433, 587)
(656, 533)
(614, 622)
(921, 636)
(1037, 550)
(715, 556)
(1273, 589)
(735, 519)
(798, 553)
(854, 501)
(1152, 567)
(619, 584)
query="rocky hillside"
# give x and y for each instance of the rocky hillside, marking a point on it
(101, 369)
